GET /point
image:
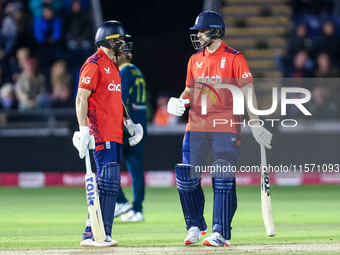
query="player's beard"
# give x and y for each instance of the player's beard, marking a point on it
(112, 54)
(206, 43)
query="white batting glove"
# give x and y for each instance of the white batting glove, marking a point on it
(136, 132)
(83, 140)
(176, 106)
(262, 135)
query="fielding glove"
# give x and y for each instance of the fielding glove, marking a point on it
(82, 139)
(176, 106)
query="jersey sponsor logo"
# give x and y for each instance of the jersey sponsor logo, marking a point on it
(233, 139)
(222, 65)
(107, 70)
(114, 87)
(207, 79)
(138, 107)
(246, 75)
(199, 65)
(86, 80)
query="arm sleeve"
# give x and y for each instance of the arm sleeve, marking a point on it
(20, 93)
(56, 35)
(38, 32)
(125, 81)
(241, 70)
(89, 76)
(190, 77)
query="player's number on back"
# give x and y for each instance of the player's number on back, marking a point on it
(140, 84)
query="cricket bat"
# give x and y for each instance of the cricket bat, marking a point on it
(93, 204)
(266, 202)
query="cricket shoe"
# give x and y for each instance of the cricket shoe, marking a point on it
(107, 243)
(132, 216)
(122, 208)
(86, 239)
(194, 235)
(215, 239)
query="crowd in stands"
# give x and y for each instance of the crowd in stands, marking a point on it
(43, 44)
(313, 51)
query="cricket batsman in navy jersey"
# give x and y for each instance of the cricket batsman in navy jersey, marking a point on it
(212, 66)
(133, 93)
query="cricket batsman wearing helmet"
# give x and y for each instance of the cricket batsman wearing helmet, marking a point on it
(208, 71)
(101, 115)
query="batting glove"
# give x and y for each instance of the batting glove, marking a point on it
(262, 135)
(176, 106)
(136, 132)
(83, 140)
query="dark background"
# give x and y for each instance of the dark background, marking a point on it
(160, 33)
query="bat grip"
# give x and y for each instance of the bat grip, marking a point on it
(263, 156)
(88, 162)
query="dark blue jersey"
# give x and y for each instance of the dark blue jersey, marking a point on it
(134, 93)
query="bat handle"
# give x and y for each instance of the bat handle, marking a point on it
(263, 156)
(88, 162)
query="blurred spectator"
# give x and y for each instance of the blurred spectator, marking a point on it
(301, 68)
(9, 28)
(325, 69)
(326, 100)
(24, 23)
(61, 96)
(48, 32)
(7, 102)
(299, 40)
(67, 4)
(326, 93)
(17, 65)
(36, 6)
(31, 87)
(328, 41)
(47, 27)
(162, 117)
(60, 75)
(78, 29)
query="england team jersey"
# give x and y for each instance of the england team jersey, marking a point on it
(101, 75)
(206, 72)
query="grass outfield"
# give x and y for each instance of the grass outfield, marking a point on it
(54, 218)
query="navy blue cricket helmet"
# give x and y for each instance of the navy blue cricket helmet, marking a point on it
(108, 35)
(208, 20)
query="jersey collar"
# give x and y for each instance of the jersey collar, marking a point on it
(103, 54)
(218, 51)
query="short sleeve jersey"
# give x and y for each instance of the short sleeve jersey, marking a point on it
(205, 73)
(134, 93)
(101, 75)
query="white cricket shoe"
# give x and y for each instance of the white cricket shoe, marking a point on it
(107, 243)
(132, 216)
(122, 208)
(86, 239)
(215, 239)
(193, 236)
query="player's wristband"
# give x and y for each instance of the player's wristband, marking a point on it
(84, 129)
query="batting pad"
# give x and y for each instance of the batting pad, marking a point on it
(222, 169)
(191, 196)
(225, 204)
(108, 186)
